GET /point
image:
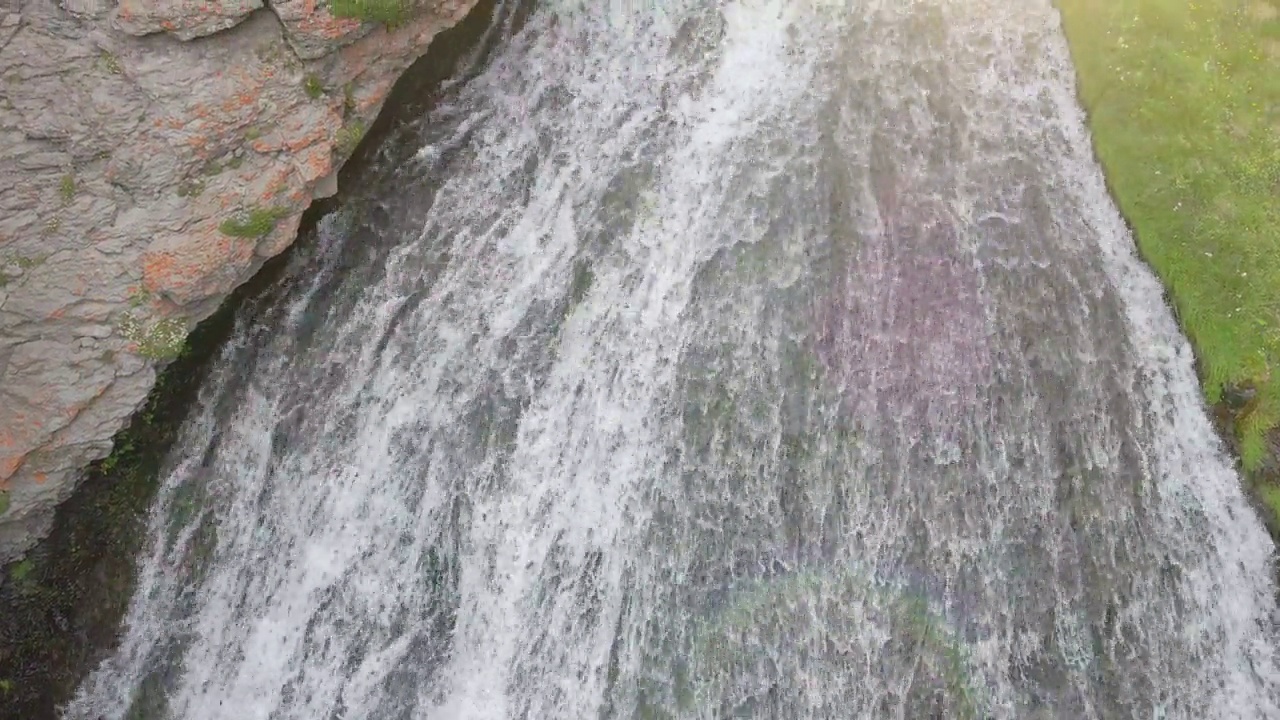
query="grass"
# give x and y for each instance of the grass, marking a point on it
(255, 222)
(391, 13)
(313, 87)
(1184, 103)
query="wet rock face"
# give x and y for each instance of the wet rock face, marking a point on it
(153, 153)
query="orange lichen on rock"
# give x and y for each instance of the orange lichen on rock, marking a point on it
(309, 136)
(319, 22)
(242, 100)
(20, 436)
(314, 163)
(171, 125)
(307, 127)
(195, 264)
(9, 464)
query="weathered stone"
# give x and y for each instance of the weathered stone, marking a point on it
(86, 8)
(124, 159)
(327, 187)
(184, 19)
(312, 31)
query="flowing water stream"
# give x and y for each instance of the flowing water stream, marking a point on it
(697, 359)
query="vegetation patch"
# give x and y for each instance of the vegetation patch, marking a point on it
(139, 297)
(14, 266)
(22, 262)
(190, 188)
(67, 188)
(111, 63)
(254, 222)
(392, 13)
(1184, 104)
(349, 98)
(164, 339)
(20, 571)
(313, 87)
(348, 137)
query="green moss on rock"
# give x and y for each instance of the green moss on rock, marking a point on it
(254, 222)
(313, 87)
(392, 13)
(349, 137)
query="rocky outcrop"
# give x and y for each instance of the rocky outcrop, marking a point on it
(153, 154)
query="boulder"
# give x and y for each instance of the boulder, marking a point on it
(152, 156)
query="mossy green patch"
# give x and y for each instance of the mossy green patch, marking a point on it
(313, 87)
(67, 188)
(253, 222)
(110, 62)
(1184, 104)
(348, 98)
(391, 13)
(348, 137)
(190, 188)
(20, 571)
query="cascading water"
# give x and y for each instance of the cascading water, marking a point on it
(715, 359)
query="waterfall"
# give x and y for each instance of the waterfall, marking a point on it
(751, 359)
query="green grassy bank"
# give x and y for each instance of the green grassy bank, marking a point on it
(1183, 98)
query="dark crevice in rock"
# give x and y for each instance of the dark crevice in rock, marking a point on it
(61, 607)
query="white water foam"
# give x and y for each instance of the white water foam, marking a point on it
(577, 408)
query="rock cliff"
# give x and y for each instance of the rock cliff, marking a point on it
(153, 154)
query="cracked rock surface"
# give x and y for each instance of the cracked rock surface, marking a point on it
(153, 154)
